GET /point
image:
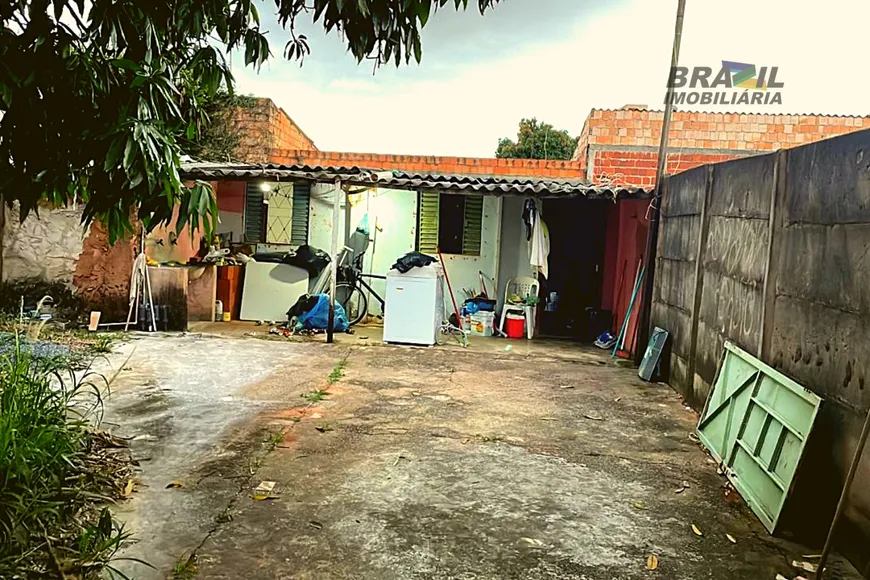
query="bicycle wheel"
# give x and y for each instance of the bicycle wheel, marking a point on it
(353, 300)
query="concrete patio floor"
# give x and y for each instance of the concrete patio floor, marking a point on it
(436, 464)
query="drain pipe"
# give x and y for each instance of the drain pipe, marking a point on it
(643, 320)
(333, 278)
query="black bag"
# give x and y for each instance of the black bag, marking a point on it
(412, 260)
(305, 303)
(308, 258)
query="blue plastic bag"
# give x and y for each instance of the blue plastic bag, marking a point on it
(318, 317)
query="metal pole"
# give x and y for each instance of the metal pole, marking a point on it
(333, 279)
(841, 505)
(652, 237)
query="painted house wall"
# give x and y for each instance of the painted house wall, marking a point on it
(231, 208)
(394, 212)
(393, 224)
(514, 248)
(320, 218)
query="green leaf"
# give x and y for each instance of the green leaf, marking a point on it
(418, 50)
(423, 8)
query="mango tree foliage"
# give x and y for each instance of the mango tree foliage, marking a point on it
(98, 97)
(537, 140)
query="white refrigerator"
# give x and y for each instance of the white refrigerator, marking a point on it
(414, 306)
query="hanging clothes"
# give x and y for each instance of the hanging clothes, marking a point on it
(529, 213)
(539, 247)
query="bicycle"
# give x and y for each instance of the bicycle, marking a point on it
(351, 289)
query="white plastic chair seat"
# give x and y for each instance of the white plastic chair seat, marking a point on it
(522, 286)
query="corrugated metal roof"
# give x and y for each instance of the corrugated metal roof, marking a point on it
(446, 182)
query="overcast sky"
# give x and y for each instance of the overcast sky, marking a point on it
(555, 60)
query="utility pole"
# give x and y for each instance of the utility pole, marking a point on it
(643, 327)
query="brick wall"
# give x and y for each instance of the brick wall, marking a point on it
(266, 127)
(621, 145)
(431, 164)
(621, 167)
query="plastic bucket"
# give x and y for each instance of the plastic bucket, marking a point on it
(514, 325)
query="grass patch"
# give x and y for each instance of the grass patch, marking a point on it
(337, 372)
(185, 569)
(56, 471)
(315, 396)
(102, 343)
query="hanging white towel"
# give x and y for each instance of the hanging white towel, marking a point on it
(539, 246)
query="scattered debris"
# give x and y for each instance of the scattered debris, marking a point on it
(315, 524)
(128, 489)
(593, 416)
(697, 530)
(694, 437)
(323, 427)
(805, 566)
(174, 485)
(617, 399)
(265, 487)
(781, 577)
(264, 491)
(399, 458)
(363, 337)
(683, 487)
(508, 348)
(731, 538)
(533, 542)
(652, 562)
(566, 386)
(639, 505)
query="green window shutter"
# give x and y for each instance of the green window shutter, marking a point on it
(301, 205)
(427, 222)
(255, 213)
(472, 227)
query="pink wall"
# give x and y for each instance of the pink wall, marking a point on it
(230, 196)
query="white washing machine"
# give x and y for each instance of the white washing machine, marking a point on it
(414, 307)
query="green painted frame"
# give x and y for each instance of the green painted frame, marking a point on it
(756, 422)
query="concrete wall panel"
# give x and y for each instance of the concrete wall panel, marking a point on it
(742, 188)
(829, 182)
(827, 264)
(737, 248)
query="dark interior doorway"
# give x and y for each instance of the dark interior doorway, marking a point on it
(576, 263)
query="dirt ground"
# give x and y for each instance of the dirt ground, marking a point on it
(419, 463)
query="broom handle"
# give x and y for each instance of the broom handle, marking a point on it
(450, 289)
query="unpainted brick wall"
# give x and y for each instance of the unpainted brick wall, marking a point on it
(432, 164)
(266, 127)
(624, 142)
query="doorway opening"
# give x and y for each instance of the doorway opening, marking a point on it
(571, 298)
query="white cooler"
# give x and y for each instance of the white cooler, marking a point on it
(414, 306)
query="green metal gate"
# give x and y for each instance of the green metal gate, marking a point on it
(756, 423)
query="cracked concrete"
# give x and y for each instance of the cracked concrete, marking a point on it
(420, 464)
